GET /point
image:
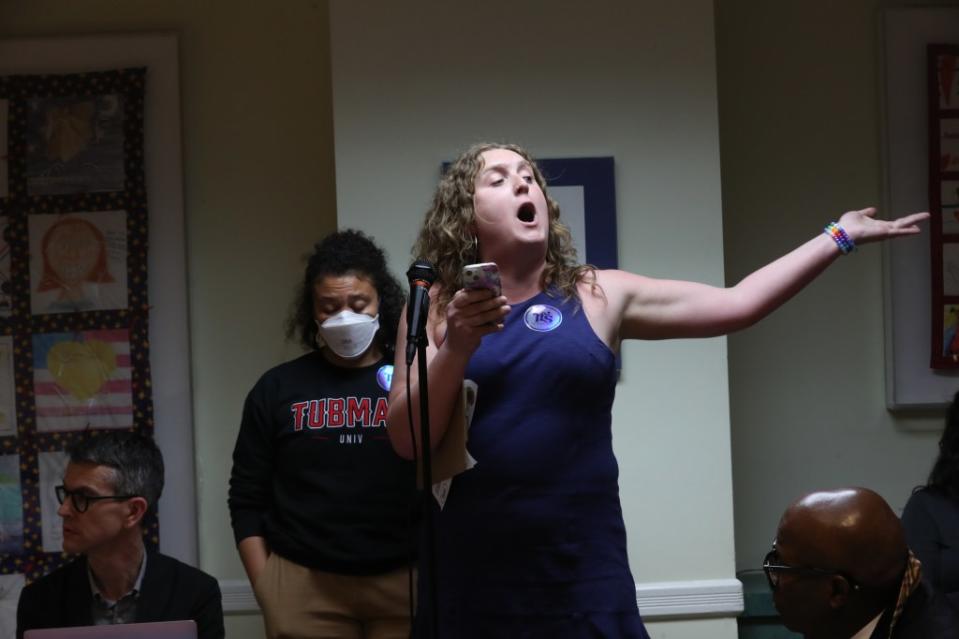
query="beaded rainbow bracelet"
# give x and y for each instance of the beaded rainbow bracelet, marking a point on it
(842, 239)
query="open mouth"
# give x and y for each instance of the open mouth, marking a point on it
(527, 212)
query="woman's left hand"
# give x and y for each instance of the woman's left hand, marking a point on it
(863, 227)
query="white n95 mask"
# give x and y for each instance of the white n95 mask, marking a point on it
(348, 334)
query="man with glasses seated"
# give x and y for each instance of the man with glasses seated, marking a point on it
(840, 569)
(112, 480)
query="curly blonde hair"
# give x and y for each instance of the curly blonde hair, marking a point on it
(446, 238)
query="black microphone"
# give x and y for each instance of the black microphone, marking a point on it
(421, 276)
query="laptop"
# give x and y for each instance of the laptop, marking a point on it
(155, 630)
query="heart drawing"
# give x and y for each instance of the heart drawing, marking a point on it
(82, 368)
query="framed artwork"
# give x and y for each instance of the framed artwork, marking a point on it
(74, 314)
(585, 189)
(152, 150)
(943, 85)
(914, 325)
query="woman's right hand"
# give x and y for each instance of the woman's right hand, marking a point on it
(471, 314)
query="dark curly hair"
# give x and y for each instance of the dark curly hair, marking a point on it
(347, 252)
(944, 477)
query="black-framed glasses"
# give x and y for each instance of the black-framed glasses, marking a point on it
(772, 566)
(81, 501)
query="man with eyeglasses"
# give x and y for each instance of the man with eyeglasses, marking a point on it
(840, 569)
(112, 480)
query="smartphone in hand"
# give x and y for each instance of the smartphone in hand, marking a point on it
(483, 275)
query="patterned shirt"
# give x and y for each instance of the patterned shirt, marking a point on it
(124, 610)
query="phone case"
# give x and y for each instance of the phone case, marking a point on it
(484, 275)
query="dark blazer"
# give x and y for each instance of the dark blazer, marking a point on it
(170, 591)
(928, 615)
(931, 522)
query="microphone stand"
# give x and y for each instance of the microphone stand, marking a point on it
(427, 457)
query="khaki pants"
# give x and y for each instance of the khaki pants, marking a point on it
(298, 602)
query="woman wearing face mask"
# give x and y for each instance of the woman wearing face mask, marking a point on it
(320, 503)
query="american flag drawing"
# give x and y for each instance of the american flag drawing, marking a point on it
(82, 380)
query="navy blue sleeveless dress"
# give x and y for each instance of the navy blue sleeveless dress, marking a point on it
(531, 541)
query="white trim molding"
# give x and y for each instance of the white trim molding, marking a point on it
(690, 599)
(659, 600)
(238, 596)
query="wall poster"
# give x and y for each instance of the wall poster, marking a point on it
(943, 83)
(74, 355)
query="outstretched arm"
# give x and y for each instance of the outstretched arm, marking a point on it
(659, 309)
(452, 340)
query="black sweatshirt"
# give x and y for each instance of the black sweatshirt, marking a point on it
(314, 472)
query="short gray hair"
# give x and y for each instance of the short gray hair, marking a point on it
(135, 459)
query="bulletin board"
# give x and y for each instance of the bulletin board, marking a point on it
(942, 68)
(74, 324)
(169, 347)
(911, 381)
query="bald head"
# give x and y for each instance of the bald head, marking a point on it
(849, 530)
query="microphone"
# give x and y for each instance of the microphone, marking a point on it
(421, 276)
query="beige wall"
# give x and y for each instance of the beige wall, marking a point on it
(258, 168)
(800, 136)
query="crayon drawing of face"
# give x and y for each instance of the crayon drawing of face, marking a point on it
(74, 252)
